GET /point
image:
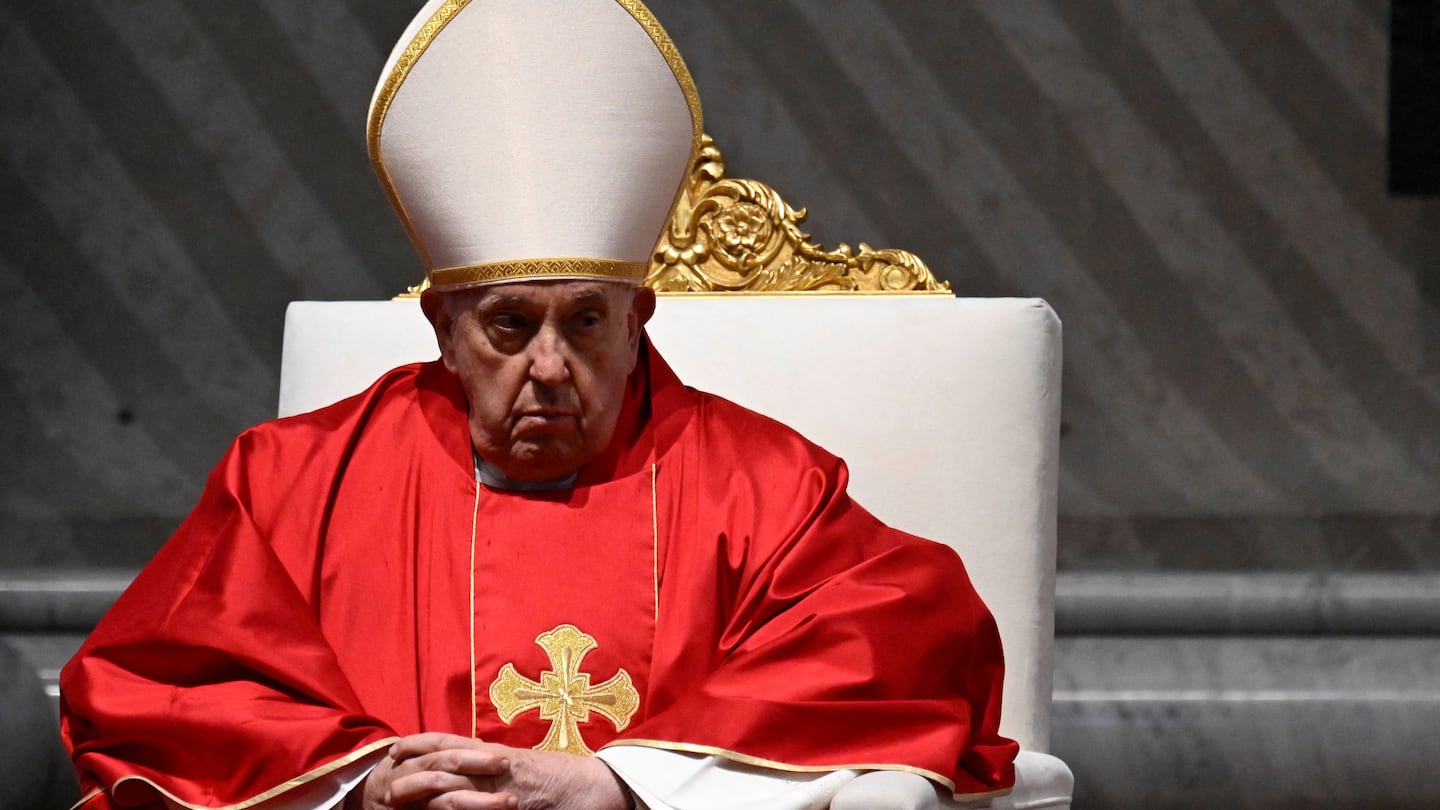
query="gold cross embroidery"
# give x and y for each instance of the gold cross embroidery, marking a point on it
(564, 695)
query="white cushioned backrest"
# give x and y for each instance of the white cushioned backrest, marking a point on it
(946, 410)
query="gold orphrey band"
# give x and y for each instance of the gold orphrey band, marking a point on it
(470, 274)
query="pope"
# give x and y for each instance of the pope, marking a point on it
(540, 571)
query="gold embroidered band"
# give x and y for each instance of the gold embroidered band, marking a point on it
(530, 269)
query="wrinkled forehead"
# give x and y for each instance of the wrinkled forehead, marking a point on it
(540, 293)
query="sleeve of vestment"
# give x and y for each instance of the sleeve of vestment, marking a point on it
(209, 682)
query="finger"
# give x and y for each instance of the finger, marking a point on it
(458, 761)
(427, 785)
(473, 800)
(429, 742)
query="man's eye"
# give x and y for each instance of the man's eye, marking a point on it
(509, 323)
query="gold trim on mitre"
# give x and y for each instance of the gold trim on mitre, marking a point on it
(535, 269)
(470, 275)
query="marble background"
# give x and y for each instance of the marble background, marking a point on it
(1198, 187)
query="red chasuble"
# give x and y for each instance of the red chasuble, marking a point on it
(706, 586)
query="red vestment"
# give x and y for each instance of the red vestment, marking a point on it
(344, 580)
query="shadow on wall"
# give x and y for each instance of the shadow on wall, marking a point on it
(34, 771)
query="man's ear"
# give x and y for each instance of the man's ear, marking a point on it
(439, 317)
(642, 307)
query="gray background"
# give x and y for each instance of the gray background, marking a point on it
(1252, 347)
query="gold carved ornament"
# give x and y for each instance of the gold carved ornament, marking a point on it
(727, 235)
(730, 235)
(564, 695)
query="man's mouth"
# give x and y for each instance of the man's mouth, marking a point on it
(545, 418)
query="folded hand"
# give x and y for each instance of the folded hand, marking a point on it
(449, 772)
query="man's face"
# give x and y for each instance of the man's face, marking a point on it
(544, 365)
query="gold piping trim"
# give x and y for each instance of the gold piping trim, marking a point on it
(474, 685)
(655, 540)
(568, 267)
(290, 784)
(401, 69)
(746, 759)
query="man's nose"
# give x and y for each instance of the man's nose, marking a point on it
(549, 358)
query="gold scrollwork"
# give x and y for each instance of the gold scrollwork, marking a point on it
(729, 235)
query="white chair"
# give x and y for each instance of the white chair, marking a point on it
(946, 409)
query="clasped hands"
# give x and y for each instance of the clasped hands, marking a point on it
(448, 772)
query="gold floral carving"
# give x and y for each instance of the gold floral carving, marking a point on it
(728, 235)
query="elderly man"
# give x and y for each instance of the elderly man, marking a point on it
(450, 590)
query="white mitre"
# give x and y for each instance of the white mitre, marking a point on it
(534, 139)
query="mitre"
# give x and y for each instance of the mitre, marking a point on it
(536, 139)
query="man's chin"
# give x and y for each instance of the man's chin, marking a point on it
(539, 462)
